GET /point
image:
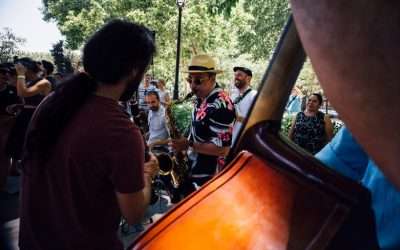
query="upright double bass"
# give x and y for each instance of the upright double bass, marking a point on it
(271, 195)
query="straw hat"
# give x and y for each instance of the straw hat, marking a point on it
(201, 64)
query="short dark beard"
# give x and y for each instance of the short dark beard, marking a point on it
(240, 84)
(131, 87)
(152, 108)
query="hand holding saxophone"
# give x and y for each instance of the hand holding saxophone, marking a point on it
(151, 167)
(180, 144)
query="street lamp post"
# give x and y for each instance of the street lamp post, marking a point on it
(153, 35)
(180, 4)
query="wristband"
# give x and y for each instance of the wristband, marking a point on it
(21, 77)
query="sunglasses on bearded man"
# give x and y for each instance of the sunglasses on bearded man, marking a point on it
(196, 80)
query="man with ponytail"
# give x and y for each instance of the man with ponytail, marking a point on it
(83, 163)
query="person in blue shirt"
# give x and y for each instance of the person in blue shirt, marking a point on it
(359, 74)
(346, 156)
(358, 71)
(294, 104)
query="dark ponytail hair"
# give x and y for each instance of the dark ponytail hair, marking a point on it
(116, 51)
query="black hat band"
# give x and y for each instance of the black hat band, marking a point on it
(202, 68)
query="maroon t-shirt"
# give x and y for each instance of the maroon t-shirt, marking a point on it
(70, 203)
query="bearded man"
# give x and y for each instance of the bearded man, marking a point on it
(244, 98)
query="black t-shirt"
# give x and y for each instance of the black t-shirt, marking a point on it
(8, 96)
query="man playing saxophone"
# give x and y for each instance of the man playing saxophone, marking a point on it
(213, 117)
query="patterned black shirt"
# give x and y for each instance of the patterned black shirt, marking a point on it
(212, 122)
(309, 132)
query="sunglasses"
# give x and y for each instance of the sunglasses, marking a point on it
(195, 80)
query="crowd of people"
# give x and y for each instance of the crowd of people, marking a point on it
(70, 135)
(213, 122)
(217, 118)
(23, 85)
(85, 163)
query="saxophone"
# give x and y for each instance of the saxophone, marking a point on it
(180, 167)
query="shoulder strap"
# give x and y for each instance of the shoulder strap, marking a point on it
(240, 97)
(290, 102)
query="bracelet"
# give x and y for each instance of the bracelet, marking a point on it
(20, 77)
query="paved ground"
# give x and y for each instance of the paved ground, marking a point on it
(9, 221)
(155, 212)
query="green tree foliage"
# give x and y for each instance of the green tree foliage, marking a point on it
(270, 17)
(307, 80)
(9, 44)
(202, 32)
(267, 18)
(238, 38)
(62, 62)
(37, 56)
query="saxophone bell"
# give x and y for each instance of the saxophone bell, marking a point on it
(165, 162)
